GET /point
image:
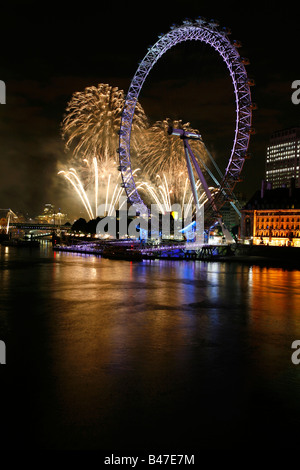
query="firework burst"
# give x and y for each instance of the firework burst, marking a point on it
(159, 154)
(90, 129)
(92, 120)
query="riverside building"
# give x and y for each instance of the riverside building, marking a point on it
(272, 217)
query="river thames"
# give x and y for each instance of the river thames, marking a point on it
(152, 355)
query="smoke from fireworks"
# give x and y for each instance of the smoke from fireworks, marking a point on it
(92, 121)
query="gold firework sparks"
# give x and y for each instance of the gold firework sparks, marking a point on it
(92, 120)
(160, 153)
(90, 129)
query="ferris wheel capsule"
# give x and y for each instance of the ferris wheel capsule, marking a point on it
(245, 60)
(237, 43)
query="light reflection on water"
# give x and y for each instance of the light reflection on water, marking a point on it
(117, 349)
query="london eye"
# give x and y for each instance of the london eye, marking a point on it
(212, 34)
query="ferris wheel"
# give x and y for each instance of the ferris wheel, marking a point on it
(208, 32)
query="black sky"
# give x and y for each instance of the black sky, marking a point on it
(51, 50)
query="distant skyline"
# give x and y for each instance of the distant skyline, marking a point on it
(49, 53)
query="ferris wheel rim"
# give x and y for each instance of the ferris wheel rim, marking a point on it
(217, 38)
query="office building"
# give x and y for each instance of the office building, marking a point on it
(282, 162)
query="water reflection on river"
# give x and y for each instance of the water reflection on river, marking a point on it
(105, 354)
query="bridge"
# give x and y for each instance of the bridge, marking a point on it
(37, 230)
(36, 226)
(10, 220)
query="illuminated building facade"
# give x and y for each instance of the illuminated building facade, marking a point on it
(272, 217)
(50, 217)
(283, 154)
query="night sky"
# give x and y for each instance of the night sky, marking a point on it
(50, 50)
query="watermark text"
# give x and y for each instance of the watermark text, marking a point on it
(137, 221)
(296, 354)
(296, 94)
(2, 92)
(2, 352)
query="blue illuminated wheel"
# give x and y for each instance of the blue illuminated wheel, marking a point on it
(210, 33)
